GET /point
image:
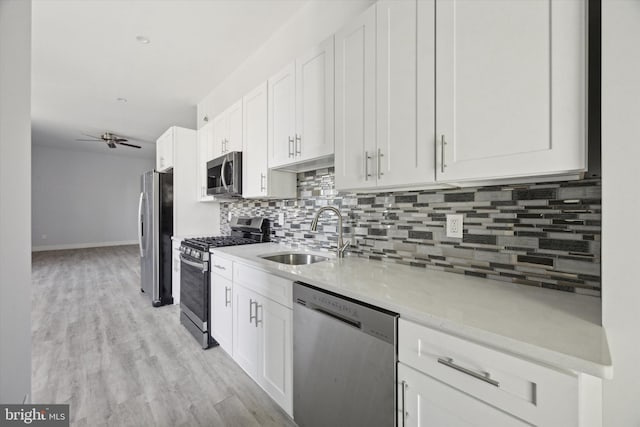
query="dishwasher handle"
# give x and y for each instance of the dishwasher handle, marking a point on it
(352, 322)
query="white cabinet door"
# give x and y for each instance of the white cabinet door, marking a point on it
(403, 158)
(281, 116)
(510, 88)
(355, 102)
(275, 366)
(175, 272)
(428, 402)
(164, 151)
(245, 332)
(220, 131)
(314, 102)
(204, 154)
(254, 155)
(222, 311)
(234, 128)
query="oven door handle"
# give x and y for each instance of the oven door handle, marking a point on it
(200, 265)
(224, 181)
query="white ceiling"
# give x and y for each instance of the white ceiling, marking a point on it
(85, 55)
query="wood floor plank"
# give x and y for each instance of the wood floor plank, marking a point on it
(100, 346)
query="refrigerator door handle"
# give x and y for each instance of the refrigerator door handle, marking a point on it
(140, 224)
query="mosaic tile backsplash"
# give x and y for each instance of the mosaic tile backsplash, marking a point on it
(546, 235)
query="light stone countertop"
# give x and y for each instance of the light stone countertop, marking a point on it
(559, 329)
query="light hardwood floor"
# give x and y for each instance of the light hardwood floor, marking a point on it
(100, 346)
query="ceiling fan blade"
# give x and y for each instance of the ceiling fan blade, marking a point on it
(90, 140)
(119, 140)
(94, 137)
(128, 145)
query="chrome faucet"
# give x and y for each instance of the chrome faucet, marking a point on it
(342, 246)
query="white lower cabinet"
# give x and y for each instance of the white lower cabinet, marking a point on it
(245, 330)
(449, 381)
(428, 402)
(175, 271)
(262, 340)
(222, 311)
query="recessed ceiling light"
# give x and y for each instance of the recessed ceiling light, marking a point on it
(119, 99)
(143, 39)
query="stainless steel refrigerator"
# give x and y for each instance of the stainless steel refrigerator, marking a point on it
(155, 228)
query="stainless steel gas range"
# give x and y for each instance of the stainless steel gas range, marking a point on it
(195, 272)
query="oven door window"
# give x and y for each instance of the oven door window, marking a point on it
(194, 290)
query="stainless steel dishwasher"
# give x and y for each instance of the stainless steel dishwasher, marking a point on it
(344, 361)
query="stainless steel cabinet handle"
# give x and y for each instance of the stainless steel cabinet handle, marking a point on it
(227, 300)
(298, 145)
(404, 410)
(291, 153)
(447, 361)
(258, 306)
(262, 186)
(219, 267)
(380, 155)
(251, 316)
(442, 154)
(367, 157)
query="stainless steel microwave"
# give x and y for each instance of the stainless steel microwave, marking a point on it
(224, 176)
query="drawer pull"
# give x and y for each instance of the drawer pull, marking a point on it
(219, 267)
(447, 361)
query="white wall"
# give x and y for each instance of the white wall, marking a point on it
(621, 207)
(15, 190)
(83, 198)
(315, 21)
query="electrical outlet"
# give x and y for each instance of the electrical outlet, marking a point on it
(455, 223)
(281, 219)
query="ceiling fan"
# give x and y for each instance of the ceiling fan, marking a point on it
(111, 140)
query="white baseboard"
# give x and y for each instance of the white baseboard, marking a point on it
(81, 245)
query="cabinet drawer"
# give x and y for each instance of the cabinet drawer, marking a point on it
(265, 284)
(535, 393)
(222, 266)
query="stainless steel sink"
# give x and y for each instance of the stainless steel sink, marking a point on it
(295, 258)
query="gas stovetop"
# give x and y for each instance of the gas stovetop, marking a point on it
(243, 232)
(205, 243)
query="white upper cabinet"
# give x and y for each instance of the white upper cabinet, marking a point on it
(384, 80)
(227, 130)
(405, 88)
(164, 151)
(234, 128)
(355, 102)
(204, 154)
(282, 125)
(301, 111)
(314, 103)
(510, 88)
(258, 180)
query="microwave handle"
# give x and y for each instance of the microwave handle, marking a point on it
(224, 181)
